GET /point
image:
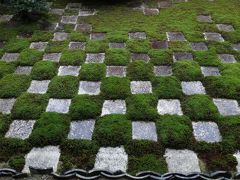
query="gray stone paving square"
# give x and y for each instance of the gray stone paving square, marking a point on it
(204, 19)
(169, 106)
(159, 44)
(81, 129)
(83, 27)
(150, 11)
(23, 70)
(227, 58)
(42, 158)
(52, 27)
(56, 11)
(137, 35)
(193, 87)
(5, 18)
(175, 36)
(227, 107)
(114, 107)
(117, 45)
(210, 71)
(118, 71)
(38, 87)
(58, 105)
(206, 131)
(144, 131)
(55, 57)
(178, 56)
(141, 87)
(41, 46)
(89, 87)
(10, 57)
(60, 36)
(77, 45)
(20, 129)
(182, 161)
(140, 56)
(237, 156)
(163, 70)
(212, 36)
(69, 19)
(6, 105)
(111, 159)
(87, 12)
(69, 70)
(236, 47)
(97, 36)
(225, 27)
(95, 58)
(199, 46)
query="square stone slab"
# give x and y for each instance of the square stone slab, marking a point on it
(117, 45)
(87, 12)
(237, 156)
(193, 87)
(212, 36)
(200, 46)
(178, 56)
(169, 106)
(6, 105)
(144, 131)
(69, 70)
(55, 57)
(225, 27)
(236, 47)
(206, 131)
(227, 58)
(175, 36)
(137, 35)
(58, 105)
(204, 19)
(5, 18)
(227, 107)
(118, 71)
(114, 107)
(150, 11)
(42, 158)
(83, 27)
(77, 45)
(111, 159)
(41, 46)
(56, 11)
(20, 129)
(95, 58)
(141, 87)
(89, 87)
(81, 129)
(140, 56)
(97, 36)
(60, 36)
(182, 161)
(163, 70)
(69, 19)
(159, 44)
(23, 70)
(38, 87)
(210, 71)
(10, 57)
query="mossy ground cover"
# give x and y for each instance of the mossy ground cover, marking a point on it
(116, 21)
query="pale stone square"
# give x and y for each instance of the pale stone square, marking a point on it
(117, 45)
(227, 107)
(89, 87)
(212, 36)
(225, 27)
(175, 36)
(144, 131)
(77, 45)
(10, 57)
(150, 11)
(6, 105)
(95, 58)
(137, 35)
(60, 36)
(23, 70)
(204, 19)
(69, 70)
(56, 11)
(140, 56)
(55, 57)
(163, 70)
(58, 105)
(192, 87)
(141, 87)
(118, 71)
(199, 46)
(210, 71)
(236, 47)
(97, 36)
(41, 46)
(87, 12)
(69, 19)
(38, 87)
(114, 107)
(178, 56)
(169, 106)
(83, 27)
(227, 58)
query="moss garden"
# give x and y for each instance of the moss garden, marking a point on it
(121, 86)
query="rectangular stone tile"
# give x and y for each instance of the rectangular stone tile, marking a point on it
(163, 70)
(89, 87)
(141, 87)
(87, 12)
(225, 27)
(58, 105)
(236, 47)
(6, 105)
(83, 27)
(118, 71)
(77, 45)
(5, 18)
(60, 36)
(38, 87)
(23, 70)
(193, 87)
(114, 107)
(227, 58)
(69, 19)
(55, 57)
(140, 56)
(169, 106)
(175, 36)
(10, 57)
(159, 44)
(199, 46)
(137, 35)
(41, 46)
(204, 19)
(150, 11)
(178, 56)
(56, 11)
(95, 58)
(97, 36)
(69, 70)
(212, 36)
(227, 107)
(210, 71)
(117, 45)
(144, 131)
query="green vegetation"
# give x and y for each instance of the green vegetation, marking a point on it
(29, 57)
(6, 68)
(72, 57)
(140, 70)
(96, 46)
(92, 72)
(117, 57)
(160, 57)
(44, 70)
(16, 45)
(140, 46)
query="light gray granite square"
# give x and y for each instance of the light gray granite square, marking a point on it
(97, 36)
(23, 70)
(83, 27)
(111, 159)
(38, 87)
(56, 11)
(199, 46)
(141, 87)
(55, 57)
(87, 12)
(10, 57)
(114, 107)
(89, 87)
(175, 36)
(58, 105)
(137, 35)
(144, 131)
(182, 161)
(140, 56)
(178, 56)
(117, 45)
(206, 131)
(227, 58)
(193, 87)
(60, 36)
(81, 129)
(169, 106)
(163, 70)
(210, 71)
(95, 58)
(236, 47)
(69, 70)
(150, 11)
(42, 158)
(155, 44)
(5, 18)
(69, 19)
(225, 27)
(41, 46)
(227, 107)
(204, 19)
(6, 105)
(20, 129)
(77, 45)
(118, 71)
(212, 36)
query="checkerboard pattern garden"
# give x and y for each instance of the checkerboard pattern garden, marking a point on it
(88, 91)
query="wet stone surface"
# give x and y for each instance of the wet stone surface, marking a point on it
(55, 57)
(139, 56)
(169, 106)
(201, 46)
(117, 45)
(60, 36)
(23, 70)
(38, 87)
(225, 27)
(163, 70)
(141, 87)
(118, 71)
(41, 46)
(87, 12)
(193, 87)
(175, 36)
(68, 70)
(6, 105)
(69, 19)
(114, 107)
(77, 45)
(206, 131)
(10, 57)
(137, 35)
(212, 36)
(144, 131)
(204, 19)
(227, 58)
(83, 27)
(178, 56)
(89, 87)
(97, 36)
(95, 58)
(227, 107)
(58, 105)
(159, 44)
(210, 71)
(20, 129)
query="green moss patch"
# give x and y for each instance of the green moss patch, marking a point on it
(117, 57)
(44, 70)
(140, 70)
(30, 56)
(72, 57)
(92, 72)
